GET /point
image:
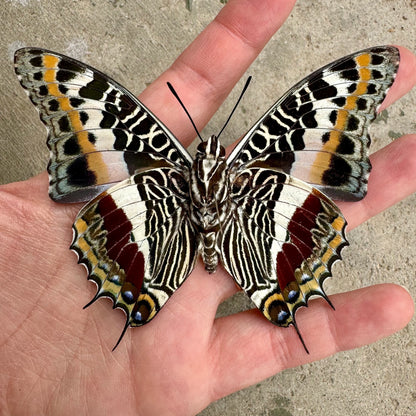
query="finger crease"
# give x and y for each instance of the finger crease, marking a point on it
(236, 34)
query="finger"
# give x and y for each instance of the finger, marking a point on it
(392, 179)
(35, 190)
(38, 186)
(248, 349)
(208, 69)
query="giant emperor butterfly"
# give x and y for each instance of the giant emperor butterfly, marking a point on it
(265, 211)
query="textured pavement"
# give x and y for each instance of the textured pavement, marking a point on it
(134, 42)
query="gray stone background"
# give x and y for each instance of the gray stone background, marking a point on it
(134, 41)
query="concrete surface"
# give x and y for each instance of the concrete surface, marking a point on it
(141, 39)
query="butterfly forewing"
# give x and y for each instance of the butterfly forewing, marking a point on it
(318, 131)
(96, 127)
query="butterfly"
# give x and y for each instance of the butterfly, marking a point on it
(264, 212)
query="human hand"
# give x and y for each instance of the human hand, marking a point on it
(60, 356)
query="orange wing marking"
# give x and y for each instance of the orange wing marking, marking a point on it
(324, 157)
(94, 159)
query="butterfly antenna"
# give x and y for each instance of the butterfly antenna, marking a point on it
(183, 106)
(300, 337)
(236, 104)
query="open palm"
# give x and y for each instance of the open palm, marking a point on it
(56, 358)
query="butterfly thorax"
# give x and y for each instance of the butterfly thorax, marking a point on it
(209, 197)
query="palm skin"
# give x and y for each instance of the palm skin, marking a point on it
(57, 359)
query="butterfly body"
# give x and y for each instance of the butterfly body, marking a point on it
(210, 205)
(264, 212)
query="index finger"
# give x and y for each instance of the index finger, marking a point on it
(206, 72)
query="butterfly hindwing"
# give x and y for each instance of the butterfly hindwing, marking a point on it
(281, 241)
(99, 133)
(137, 242)
(318, 130)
